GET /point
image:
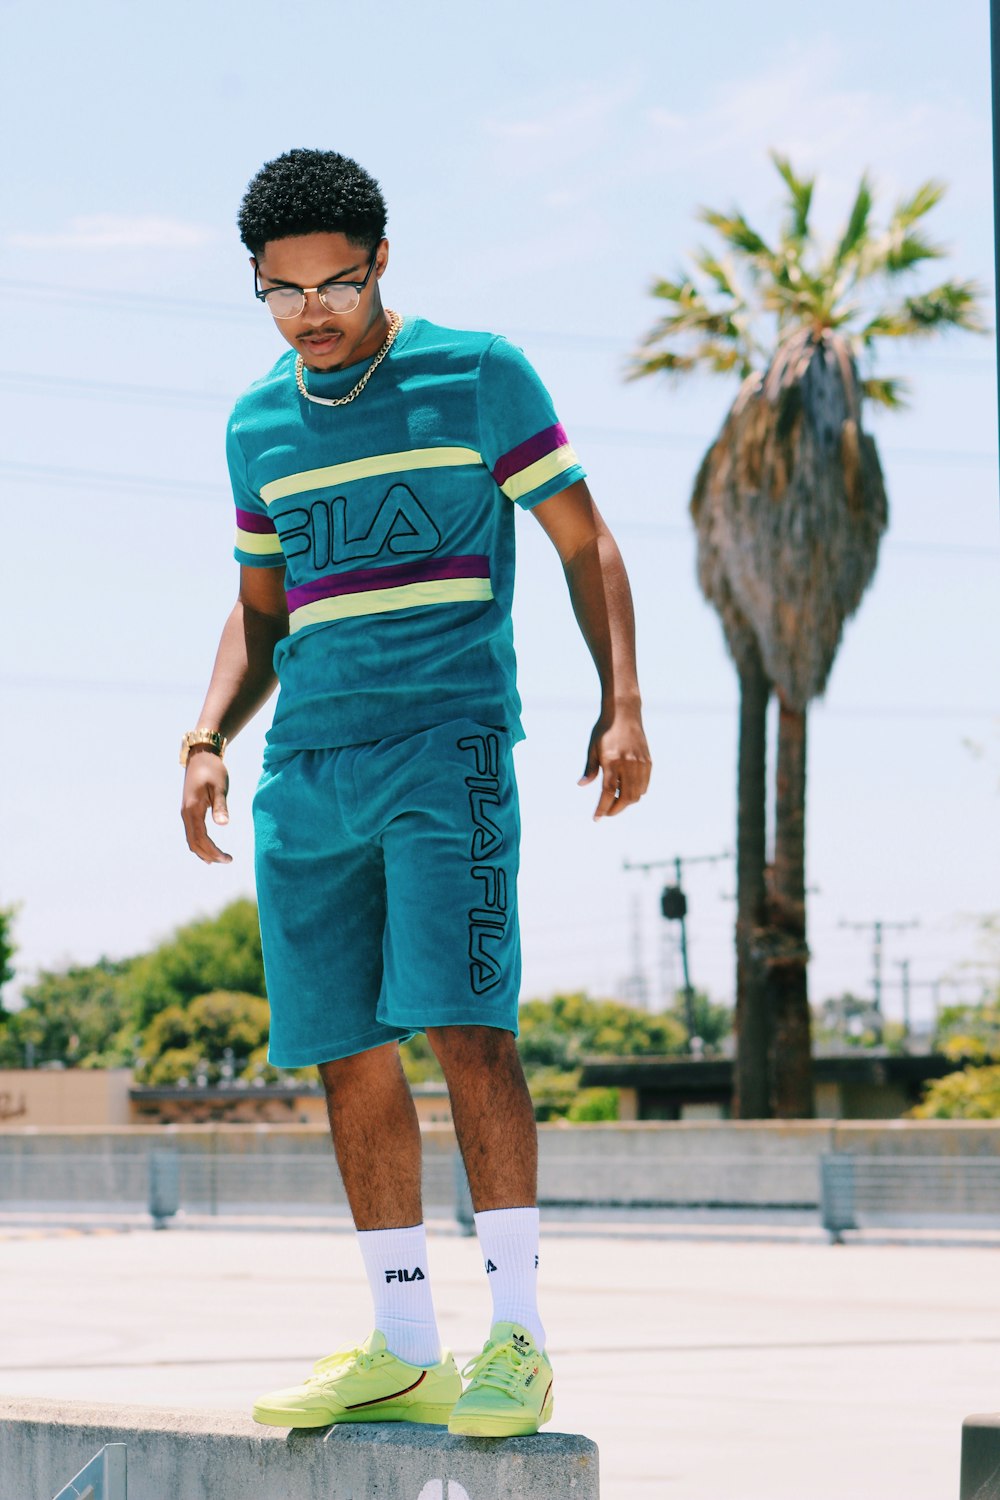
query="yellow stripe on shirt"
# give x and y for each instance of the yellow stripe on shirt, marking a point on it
(368, 468)
(381, 601)
(260, 543)
(541, 470)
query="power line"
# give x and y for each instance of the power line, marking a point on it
(83, 478)
(147, 688)
(76, 478)
(203, 308)
(29, 384)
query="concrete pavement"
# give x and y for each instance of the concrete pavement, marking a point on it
(706, 1368)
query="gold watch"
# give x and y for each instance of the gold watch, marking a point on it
(210, 738)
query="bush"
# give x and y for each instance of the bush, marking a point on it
(594, 1104)
(209, 1028)
(973, 1094)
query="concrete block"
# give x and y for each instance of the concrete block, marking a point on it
(918, 1137)
(206, 1455)
(704, 1164)
(981, 1458)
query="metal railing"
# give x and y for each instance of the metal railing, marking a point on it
(105, 1477)
(934, 1192)
(850, 1191)
(162, 1181)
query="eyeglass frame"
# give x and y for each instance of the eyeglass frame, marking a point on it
(289, 286)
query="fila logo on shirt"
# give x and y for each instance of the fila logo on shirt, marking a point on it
(488, 918)
(334, 533)
(404, 1275)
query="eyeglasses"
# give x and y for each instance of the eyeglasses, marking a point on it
(336, 296)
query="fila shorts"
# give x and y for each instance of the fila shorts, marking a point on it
(386, 887)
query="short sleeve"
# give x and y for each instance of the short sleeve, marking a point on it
(257, 542)
(521, 440)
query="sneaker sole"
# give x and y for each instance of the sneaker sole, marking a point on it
(499, 1427)
(273, 1417)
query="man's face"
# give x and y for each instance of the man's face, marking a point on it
(326, 340)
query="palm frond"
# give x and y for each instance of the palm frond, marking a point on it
(896, 252)
(721, 358)
(718, 272)
(887, 324)
(909, 251)
(713, 355)
(857, 224)
(887, 391)
(953, 304)
(737, 232)
(800, 199)
(909, 210)
(693, 316)
(668, 362)
(673, 291)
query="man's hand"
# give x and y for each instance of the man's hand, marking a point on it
(618, 749)
(206, 783)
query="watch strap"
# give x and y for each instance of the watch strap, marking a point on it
(212, 739)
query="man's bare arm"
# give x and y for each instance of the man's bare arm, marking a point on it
(242, 681)
(602, 603)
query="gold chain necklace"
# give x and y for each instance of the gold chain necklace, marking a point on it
(395, 324)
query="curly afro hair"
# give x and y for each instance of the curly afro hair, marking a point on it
(311, 192)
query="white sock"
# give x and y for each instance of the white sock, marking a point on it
(508, 1238)
(396, 1262)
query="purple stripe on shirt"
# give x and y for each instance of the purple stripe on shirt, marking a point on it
(529, 452)
(363, 580)
(249, 520)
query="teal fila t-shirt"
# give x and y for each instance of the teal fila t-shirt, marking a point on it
(393, 518)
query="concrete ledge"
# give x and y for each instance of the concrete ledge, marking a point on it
(981, 1457)
(218, 1455)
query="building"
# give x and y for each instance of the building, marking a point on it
(868, 1084)
(40, 1097)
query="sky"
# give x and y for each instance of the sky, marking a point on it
(541, 165)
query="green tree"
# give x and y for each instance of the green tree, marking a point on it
(789, 507)
(969, 1031)
(215, 953)
(712, 1022)
(79, 1017)
(7, 950)
(560, 1032)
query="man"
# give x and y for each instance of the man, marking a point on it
(375, 470)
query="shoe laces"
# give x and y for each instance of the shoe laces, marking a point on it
(500, 1365)
(340, 1359)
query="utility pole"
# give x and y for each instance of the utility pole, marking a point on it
(877, 929)
(903, 965)
(673, 905)
(638, 985)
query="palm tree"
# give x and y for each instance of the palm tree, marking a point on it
(789, 507)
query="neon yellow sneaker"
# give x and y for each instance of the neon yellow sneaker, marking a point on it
(510, 1387)
(367, 1384)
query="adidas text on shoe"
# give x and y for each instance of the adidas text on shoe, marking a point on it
(367, 1384)
(510, 1387)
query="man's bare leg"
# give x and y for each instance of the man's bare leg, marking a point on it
(495, 1125)
(493, 1113)
(376, 1137)
(377, 1141)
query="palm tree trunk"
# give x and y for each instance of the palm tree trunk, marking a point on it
(751, 1083)
(791, 1055)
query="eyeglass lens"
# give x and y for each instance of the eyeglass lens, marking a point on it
(288, 301)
